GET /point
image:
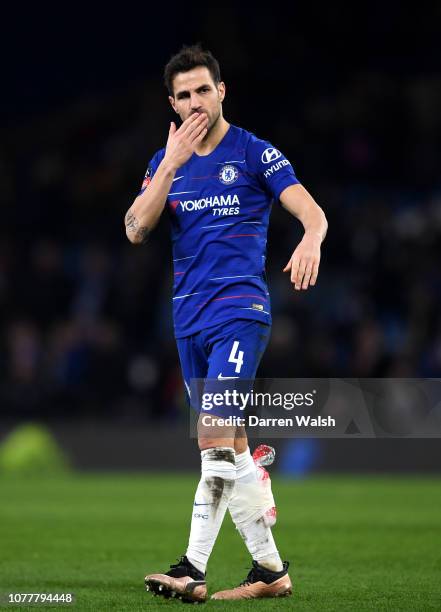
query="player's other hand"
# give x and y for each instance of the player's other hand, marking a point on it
(304, 262)
(182, 142)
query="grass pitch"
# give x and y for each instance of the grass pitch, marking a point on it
(355, 543)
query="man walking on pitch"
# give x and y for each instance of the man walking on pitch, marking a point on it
(217, 182)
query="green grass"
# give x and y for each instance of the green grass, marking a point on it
(355, 543)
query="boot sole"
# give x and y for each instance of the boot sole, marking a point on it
(284, 594)
(186, 596)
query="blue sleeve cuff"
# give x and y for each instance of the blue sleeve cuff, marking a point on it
(283, 183)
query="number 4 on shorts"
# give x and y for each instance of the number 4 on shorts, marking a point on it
(236, 356)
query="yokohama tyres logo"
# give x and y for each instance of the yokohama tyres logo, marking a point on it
(208, 202)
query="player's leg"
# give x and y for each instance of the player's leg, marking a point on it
(225, 346)
(217, 462)
(251, 504)
(218, 472)
(252, 509)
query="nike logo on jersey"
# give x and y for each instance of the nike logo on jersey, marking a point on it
(220, 377)
(195, 504)
(177, 178)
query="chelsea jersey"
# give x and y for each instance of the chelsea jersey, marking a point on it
(219, 207)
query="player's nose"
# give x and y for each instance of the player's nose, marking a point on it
(195, 105)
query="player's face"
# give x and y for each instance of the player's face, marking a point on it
(195, 92)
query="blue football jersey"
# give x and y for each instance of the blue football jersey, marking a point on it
(219, 207)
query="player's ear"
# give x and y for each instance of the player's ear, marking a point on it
(172, 102)
(221, 89)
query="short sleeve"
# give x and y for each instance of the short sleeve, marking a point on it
(150, 172)
(274, 171)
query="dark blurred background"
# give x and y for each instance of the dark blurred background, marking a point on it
(351, 95)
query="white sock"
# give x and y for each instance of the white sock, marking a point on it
(210, 503)
(244, 510)
(245, 467)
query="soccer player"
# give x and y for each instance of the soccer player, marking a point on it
(217, 183)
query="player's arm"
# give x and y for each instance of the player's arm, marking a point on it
(145, 211)
(303, 264)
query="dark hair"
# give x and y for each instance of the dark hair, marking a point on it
(187, 59)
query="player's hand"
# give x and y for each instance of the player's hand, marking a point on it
(304, 262)
(182, 142)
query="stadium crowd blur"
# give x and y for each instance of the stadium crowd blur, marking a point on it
(86, 316)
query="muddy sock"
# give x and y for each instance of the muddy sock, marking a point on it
(210, 503)
(246, 511)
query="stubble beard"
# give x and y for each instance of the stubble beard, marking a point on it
(215, 122)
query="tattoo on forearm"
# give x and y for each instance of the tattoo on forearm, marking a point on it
(133, 227)
(131, 221)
